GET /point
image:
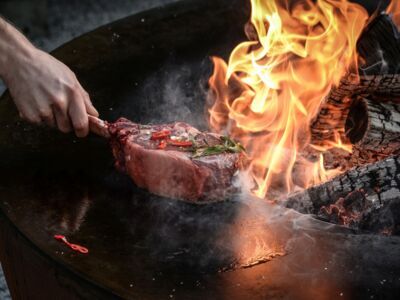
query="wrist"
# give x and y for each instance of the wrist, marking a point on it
(15, 50)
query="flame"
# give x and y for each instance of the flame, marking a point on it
(272, 87)
(336, 143)
(394, 10)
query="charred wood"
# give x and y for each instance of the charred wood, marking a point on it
(379, 48)
(374, 189)
(374, 130)
(333, 114)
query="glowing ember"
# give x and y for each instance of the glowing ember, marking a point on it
(270, 91)
(344, 215)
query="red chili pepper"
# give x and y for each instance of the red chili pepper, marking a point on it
(160, 135)
(180, 143)
(74, 247)
(162, 144)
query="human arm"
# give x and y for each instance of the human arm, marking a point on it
(43, 88)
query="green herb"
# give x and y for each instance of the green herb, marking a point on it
(227, 146)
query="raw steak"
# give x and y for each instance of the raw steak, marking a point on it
(176, 160)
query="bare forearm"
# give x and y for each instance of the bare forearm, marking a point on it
(14, 48)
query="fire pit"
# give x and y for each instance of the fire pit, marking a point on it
(154, 67)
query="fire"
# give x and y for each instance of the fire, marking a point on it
(394, 10)
(273, 85)
(336, 143)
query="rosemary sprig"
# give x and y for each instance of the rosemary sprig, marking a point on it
(227, 146)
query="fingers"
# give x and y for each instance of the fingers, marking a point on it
(30, 117)
(44, 113)
(47, 116)
(63, 122)
(91, 110)
(68, 112)
(60, 109)
(72, 114)
(28, 114)
(39, 118)
(78, 115)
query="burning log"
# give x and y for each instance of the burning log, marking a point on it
(373, 188)
(333, 114)
(379, 76)
(272, 98)
(374, 130)
(365, 110)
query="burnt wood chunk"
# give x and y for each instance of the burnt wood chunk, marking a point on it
(364, 108)
(333, 113)
(378, 75)
(374, 129)
(374, 188)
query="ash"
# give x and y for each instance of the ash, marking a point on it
(50, 23)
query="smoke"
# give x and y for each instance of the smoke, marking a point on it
(379, 67)
(240, 232)
(175, 92)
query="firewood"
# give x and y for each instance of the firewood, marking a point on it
(333, 113)
(374, 187)
(379, 75)
(374, 130)
(365, 110)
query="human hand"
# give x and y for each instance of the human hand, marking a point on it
(47, 91)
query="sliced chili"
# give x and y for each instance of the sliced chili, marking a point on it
(160, 135)
(162, 144)
(180, 143)
(74, 247)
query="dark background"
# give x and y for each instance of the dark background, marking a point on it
(51, 23)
